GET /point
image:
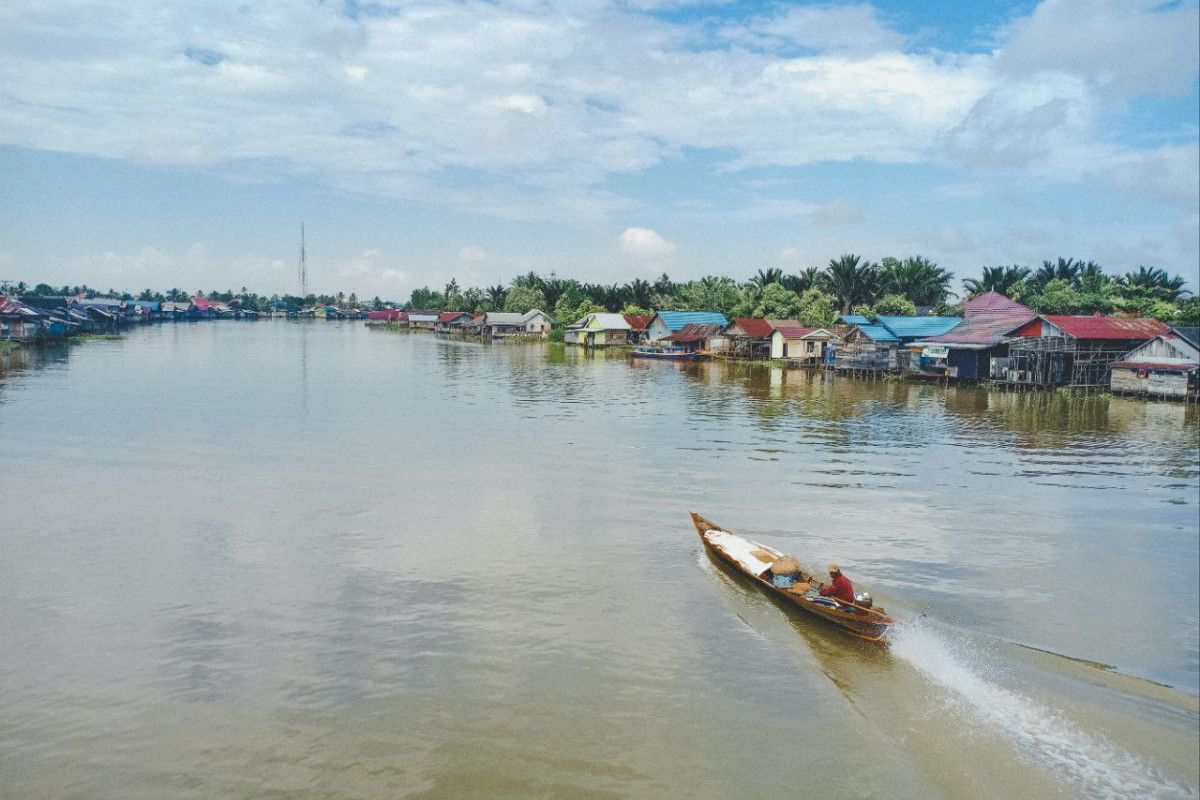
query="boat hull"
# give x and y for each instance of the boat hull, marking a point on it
(650, 354)
(739, 554)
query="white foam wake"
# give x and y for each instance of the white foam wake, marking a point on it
(1093, 767)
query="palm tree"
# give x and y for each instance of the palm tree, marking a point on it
(640, 292)
(852, 281)
(1065, 269)
(766, 277)
(1008, 281)
(530, 280)
(802, 281)
(555, 287)
(496, 295)
(1153, 282)
(664, 286)
(1092, 279)
(917, 278)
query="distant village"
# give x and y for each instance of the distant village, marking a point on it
(1068, 325)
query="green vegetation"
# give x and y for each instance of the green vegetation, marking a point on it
(814, 296)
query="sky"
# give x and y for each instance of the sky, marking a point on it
(182, 144)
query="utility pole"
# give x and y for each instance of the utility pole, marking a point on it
(303, 266)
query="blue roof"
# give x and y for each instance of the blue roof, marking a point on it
(919, 327)
(675, 320)
(878, 333)
(854, 319)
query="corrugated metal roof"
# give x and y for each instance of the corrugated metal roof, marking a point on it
(675, 320)
(993, 303)
(853, 319)
(695, 331)
(1108, 327)
(15, 308)
(638, 322)
(1190, 334)
(981, 331)
(878, 333)
(754, 327)
(503, 318)
(919, 327)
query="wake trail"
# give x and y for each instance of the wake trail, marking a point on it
(1094, 767)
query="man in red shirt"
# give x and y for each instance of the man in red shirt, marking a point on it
(840, 588)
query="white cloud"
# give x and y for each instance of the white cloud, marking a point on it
(820, 28)
(1125, 46)
(643, 244)
(527, 111)
(472, 253)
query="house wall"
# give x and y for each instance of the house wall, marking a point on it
(1161, 383)
(963, 363)
(538, 324)
(657, 330)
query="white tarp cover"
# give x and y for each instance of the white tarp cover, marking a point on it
(741, 550)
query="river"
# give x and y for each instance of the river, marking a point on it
(317, 560)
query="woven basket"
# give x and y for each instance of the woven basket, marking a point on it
(785, 566)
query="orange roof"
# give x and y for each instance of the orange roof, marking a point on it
(638, 322)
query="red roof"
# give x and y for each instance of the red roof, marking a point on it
(204, 303)
(638, 322)
(993, 303)
(1109, 327)
(754, 327)
(450, 316)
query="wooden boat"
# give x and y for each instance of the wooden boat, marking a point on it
(755, 560)
(665, 353)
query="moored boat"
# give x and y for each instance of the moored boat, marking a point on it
(665, 353)
(860, 619)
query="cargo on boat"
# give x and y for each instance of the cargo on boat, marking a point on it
(784, 577)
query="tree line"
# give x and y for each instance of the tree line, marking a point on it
(849, 284)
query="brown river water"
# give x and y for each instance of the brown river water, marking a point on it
(316, 560)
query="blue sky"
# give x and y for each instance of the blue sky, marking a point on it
(144, 145)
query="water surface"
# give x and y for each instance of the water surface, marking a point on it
(318, 560)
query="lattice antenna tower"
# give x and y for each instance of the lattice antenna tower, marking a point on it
(303, 266)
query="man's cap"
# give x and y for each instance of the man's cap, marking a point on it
(833, 568)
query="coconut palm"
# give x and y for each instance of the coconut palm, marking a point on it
(496, 296)
(1064, 269)
(1008, 281)
(639, 292)
(852, 281)
(917, 278)
(766, 277)
(802, 281)
(1153, 282)
(1092, 279)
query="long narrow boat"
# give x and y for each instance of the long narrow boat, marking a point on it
(755, 560)
(662, 353)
